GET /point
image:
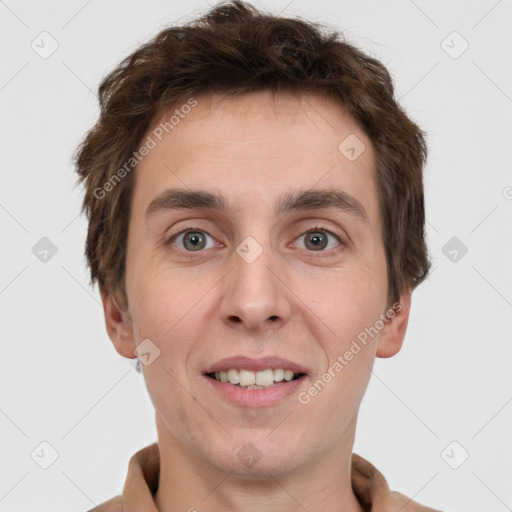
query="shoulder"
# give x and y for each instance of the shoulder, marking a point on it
(112, 505)
(406, 504)
(372, 490)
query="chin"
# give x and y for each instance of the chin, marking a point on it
(257, 455)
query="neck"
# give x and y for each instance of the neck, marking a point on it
(189, 483)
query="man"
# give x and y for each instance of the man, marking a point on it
(256, 228)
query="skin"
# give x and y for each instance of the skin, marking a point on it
(295, 302)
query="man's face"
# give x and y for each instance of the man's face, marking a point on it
(248, 282)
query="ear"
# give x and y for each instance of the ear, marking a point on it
(392, 335)
(119, 325)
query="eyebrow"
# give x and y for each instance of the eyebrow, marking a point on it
(182, 199)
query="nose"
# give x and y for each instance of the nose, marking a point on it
(255, 297)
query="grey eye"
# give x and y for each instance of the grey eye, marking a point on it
(192, 240)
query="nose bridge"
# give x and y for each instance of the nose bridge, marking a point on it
(253, 295)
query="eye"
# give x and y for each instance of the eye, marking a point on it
(317, 239)
(192, 240)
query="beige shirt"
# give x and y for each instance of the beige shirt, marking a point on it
(370, 487)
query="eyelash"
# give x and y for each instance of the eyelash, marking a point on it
(320, 229)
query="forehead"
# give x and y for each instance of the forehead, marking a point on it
(253, 121)
(255, 147)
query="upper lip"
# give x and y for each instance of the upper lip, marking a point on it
(248, 363)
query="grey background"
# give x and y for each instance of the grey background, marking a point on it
(61, 380)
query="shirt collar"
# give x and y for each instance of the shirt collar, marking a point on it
(369, 485)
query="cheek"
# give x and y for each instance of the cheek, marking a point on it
(168, 312)
(162, 305)
(347, 303)
(171, 316)
(349, 306)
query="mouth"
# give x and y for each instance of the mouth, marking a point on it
(262, 379)
(248, 382)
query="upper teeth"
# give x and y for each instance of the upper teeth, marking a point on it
(249, 378)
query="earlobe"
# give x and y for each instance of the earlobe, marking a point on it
(392, 336)
(119, 326)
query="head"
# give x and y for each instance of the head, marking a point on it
(295, 222)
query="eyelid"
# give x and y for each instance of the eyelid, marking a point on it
(323, 229)
(170, 240)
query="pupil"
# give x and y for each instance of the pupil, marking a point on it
(316, 241)
(195, 239)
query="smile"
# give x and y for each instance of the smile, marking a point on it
(255, 379)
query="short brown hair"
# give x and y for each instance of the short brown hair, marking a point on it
(235, 49)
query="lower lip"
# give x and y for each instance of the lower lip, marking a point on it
(263, 397)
